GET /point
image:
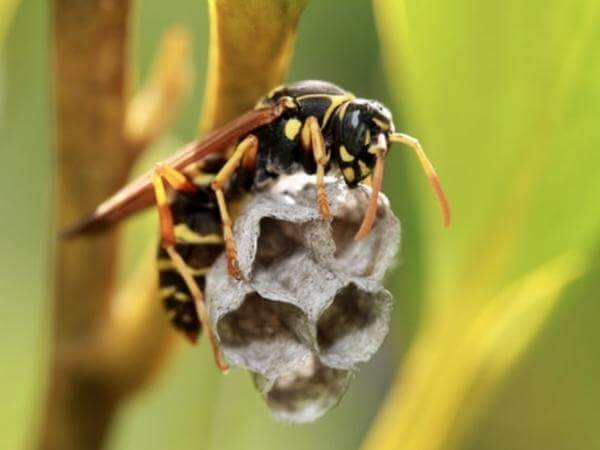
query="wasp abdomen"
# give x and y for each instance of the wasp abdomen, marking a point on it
(199, 243)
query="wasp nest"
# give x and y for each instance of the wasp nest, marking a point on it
(310, 304)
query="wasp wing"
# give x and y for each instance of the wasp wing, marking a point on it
(139, 194)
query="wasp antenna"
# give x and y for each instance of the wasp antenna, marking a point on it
(371, 212)
(432, 176)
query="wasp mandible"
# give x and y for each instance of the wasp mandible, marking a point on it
(310, 126)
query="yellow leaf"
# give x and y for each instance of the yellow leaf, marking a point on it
(8, 8)
(455, 365)
(251, 43)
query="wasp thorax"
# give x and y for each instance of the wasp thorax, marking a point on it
(360, 131)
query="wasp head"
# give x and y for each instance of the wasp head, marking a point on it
(360, 135)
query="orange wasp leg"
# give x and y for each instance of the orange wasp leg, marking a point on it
(245, 151)
(194, 289)
(312, 139)
(177, 181)
(180, 183)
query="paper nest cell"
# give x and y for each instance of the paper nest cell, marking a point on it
(310, 305)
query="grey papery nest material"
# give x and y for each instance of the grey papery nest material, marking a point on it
(311, 304)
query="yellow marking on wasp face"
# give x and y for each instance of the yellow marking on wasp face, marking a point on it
(185, 234)
(349, 174)
(381, 124)
(373, 149)
(364, 169)
(292, 128)
(367, 137)
(345, 155)
(166, 292)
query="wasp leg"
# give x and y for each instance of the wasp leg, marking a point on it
(177, 181)
(244, 151)
(194, 289)
(313, 140)
(167, 232)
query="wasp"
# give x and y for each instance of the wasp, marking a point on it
(310, 126)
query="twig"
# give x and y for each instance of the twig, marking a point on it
(90, 45)
(106, 344)
(102, 348)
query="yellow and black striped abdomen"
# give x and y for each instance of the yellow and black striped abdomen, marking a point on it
(199, 243)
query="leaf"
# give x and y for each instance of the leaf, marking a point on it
(452, 370)
(513, 135)
(8, 8)
(250, 49)
(504, 99)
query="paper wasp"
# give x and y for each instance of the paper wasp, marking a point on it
(310, 126)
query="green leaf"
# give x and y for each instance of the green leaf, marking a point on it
(8, 8)
(454, 367)
(505, 98)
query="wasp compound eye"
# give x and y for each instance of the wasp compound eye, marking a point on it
(310, 305)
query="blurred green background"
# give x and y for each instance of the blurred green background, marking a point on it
(505, 96)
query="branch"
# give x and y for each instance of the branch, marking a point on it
(106, 344)
(90, 45)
